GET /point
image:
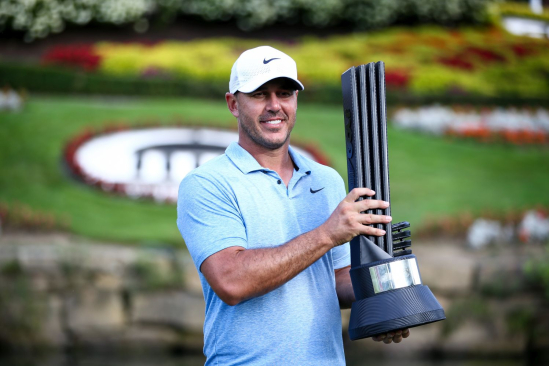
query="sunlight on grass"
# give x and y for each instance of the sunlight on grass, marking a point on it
(429, 175)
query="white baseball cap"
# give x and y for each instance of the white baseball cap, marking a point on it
(258, 65)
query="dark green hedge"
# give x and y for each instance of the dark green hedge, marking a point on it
(54, 80)
(62, 80)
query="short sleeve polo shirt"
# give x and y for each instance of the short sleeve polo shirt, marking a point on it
(233, 201)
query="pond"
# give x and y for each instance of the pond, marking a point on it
(354, 359)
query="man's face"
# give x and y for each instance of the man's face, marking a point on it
(265, 116)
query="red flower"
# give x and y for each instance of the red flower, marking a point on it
(396, 79)
(457, 62)
(522, 50)
(83, 56)
(464, 59)
(484, 54)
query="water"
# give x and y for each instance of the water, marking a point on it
(102, 359)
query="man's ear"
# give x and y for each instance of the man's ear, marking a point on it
(232, 103)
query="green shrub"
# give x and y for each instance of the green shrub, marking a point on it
(42, 17)
(21, 311)
(538, 272)
(521, 10)
(62, 80)
(66, 81)
(39, 18)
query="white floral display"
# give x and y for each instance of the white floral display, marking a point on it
(42, 17)
(439, 119)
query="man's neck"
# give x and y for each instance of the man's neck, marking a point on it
(278, 160)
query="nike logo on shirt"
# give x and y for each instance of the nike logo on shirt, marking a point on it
(317, 190)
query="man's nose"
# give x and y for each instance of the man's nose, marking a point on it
(273, 104)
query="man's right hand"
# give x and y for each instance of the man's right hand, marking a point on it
(394, 336)
(348, 221)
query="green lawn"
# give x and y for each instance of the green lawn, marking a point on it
(429, 176)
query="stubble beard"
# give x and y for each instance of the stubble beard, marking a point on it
(251, 129)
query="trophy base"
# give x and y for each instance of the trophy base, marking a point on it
(397, 309)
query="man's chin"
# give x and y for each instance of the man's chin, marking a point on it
(276, 143)
(273, 145)
(267, 140)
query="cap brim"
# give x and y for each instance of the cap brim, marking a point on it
(256, 83)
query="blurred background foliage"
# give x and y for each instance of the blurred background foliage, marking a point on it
(451, 51)
(427, 63)
(521, 9)
(39, 18)
(424, 60)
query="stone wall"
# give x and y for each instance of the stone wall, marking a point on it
(76, 293)
(492, 308)
(61, 291)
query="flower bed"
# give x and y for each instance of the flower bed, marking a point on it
(421, 61)
(83, 56)
(521, 10)
(22, 217)
(459, 225)
(508, 125)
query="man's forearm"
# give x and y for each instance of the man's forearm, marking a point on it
(237, 274)
(344, 287)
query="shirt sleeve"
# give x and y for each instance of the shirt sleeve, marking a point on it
(208, 218)
(341, 255)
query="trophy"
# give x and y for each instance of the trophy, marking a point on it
(385, 275)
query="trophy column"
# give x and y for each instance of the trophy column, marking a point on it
(385, 275)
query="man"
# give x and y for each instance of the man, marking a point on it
(268, 231)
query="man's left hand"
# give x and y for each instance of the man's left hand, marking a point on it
(395, 336)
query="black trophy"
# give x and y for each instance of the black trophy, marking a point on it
(385, 275)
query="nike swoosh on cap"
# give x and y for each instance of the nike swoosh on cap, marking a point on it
(317, 190)
(267, 61)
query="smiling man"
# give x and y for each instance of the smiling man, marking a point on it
(268, 231)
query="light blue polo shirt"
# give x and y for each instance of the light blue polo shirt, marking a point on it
(233, 201)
